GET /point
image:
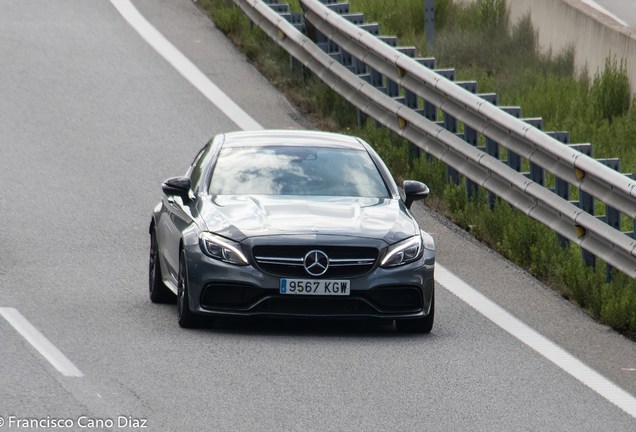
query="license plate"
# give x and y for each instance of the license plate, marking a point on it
(315, 287)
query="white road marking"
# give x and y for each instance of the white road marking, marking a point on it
(536, 341)
(40, 342)
(478, 301)
(184, 66)
(602, 10)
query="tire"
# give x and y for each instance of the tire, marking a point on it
(185, 317)
(418, 325)
(157, 290)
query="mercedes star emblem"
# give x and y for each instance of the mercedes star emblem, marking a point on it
(316, 263)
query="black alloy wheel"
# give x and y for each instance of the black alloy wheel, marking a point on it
(158, 291)
(186, 318)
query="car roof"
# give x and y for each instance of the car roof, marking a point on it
(266, 138)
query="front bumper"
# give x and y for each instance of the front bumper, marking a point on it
(217, 288)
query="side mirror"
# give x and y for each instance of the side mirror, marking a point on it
(179, 186)
(414, 190)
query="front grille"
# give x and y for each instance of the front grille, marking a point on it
(288, 261)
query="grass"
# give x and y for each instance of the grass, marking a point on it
(480, 43)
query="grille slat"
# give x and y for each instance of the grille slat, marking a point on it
(351, 262)
(288, 261)
(279, 260)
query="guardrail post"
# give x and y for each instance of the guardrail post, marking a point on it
(561, 187)
(412, 101)
(632, 233)
(430, 110)
(450, 124)
(359, 67)
(492, 148)
(429, 21)
(537, 174)
(452, 175)
(472, 138)
(392, 88)
(586, 201)
(514, 160)
(612, 216)
(377, 80)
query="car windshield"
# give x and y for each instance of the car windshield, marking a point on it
(284, 170)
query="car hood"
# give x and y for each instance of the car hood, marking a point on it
(239, 216)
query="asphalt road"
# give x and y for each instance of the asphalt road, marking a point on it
(92, 120)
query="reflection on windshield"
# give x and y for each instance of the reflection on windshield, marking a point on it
(296, 171)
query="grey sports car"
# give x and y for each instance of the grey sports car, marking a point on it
(291, 223)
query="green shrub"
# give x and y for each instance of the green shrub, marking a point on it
(228, 19)
(619, 303)
(610, 91)
(332, 105)
(455, 196)
(432, 172)
(583, 284)
(494, 16)
(530, 244)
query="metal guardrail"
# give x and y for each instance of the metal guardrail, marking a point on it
(520, 138)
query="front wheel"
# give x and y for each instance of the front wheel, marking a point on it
(418, 325)
(185, 317)
(157, 290)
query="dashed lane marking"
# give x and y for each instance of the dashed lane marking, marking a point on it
(32, 335)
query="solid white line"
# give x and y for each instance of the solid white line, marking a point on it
(40, 342)
(536, 341)
(486, 307)
(601, 9)
(184, 66)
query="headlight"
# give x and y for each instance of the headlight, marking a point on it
(222, 249)
(404, 252)
(428, 241)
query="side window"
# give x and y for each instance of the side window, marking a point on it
(196, 170)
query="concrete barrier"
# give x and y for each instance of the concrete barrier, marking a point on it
(592, 33)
